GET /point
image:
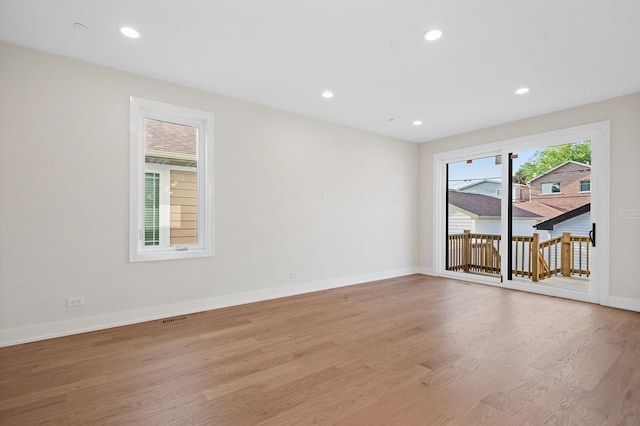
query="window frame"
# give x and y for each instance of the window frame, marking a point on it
(552, 192)
(584, 181)
(142, 109)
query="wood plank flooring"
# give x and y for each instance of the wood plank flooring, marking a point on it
(415, 350)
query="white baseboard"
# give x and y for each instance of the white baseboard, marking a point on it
(425, 271)
(14, 336)
(622, 303)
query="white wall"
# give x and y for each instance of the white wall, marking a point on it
(64, 188)
(624, 288)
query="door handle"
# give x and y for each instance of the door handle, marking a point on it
(592, 235)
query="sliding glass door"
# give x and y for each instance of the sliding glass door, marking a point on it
(550, 220)
(523, 213)
(474, 216)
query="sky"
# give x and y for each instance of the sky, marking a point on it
(484, 168)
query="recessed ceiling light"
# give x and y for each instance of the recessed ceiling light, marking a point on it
(432, 35)
(130, 32)
(417, 123)
(522, 91)
(327, 94)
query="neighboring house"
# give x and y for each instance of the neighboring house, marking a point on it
(576, 222)
(565, 187)
(480, 213)
(562, 196)
(491, 187)
(521, 193)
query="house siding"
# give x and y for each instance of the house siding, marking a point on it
(488, 226)
(183, 208)
(524, 227)
(577, 226)
(580, 226)
(459, 222)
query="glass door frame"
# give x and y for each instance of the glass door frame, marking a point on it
(599, 135)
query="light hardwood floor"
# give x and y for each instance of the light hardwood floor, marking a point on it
(415, 350)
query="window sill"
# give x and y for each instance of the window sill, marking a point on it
(172, 253)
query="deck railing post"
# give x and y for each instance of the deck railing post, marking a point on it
(466, 250)
(535, 258)
(565, 254)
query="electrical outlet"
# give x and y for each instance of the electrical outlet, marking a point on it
(293, 275)
(75, 301)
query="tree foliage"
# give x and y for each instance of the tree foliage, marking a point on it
(546, 159)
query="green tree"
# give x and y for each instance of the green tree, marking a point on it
(546, 159)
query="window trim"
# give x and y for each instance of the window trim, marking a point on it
(142, 109)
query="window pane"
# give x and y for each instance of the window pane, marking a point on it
(172, 149)
(585, 186)
(550, 188)
(170, 143)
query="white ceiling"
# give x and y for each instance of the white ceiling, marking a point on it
(370, 53)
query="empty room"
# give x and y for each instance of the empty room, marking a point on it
(292, 212)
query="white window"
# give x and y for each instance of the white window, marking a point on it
(550, 188)
(585, 186)
(171, 182)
